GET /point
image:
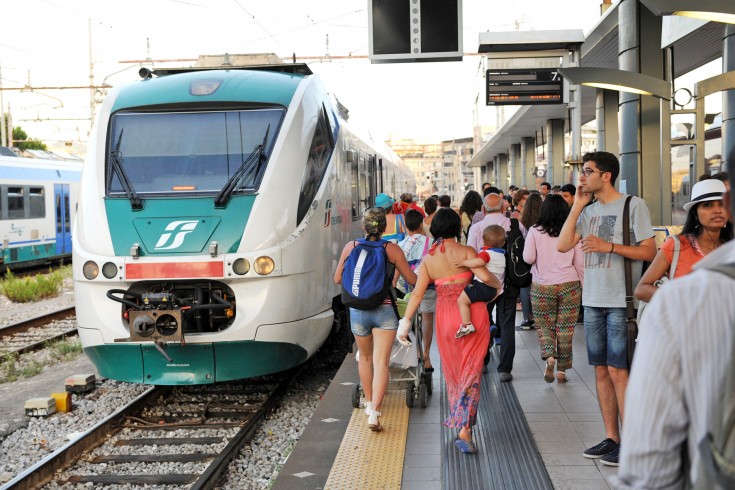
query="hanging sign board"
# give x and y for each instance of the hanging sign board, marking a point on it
(524, 87)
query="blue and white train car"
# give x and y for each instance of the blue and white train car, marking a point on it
(38, 200)
(215, 205)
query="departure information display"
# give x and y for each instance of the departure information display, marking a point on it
(524, 87)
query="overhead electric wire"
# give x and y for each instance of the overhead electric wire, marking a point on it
(237, 2)
(287, 31)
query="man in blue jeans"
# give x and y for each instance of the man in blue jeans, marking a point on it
(599, 226)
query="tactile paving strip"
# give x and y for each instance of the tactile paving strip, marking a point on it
(507, 457)
(368, 459)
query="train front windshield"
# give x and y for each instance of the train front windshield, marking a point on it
(189, 152)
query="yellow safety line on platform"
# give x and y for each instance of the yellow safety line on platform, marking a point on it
(368, 459)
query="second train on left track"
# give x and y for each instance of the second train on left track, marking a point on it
(214, 207)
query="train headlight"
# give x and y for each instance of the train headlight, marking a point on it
(90, 270)
(264, 265)
(241, 267)
(109, 270)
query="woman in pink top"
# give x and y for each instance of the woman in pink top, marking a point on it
(530, 212)
(556, 291)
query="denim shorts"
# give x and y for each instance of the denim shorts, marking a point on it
(478, 291)
(607, 336)
(364, 321)
(428, 304)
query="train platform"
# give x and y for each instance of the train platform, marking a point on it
(530, 434)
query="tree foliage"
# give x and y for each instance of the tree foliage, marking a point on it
(21, 140)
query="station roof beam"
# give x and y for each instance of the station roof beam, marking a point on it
(618, 80)
(709, 10)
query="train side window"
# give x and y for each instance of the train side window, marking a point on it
(37, 202)
(67, 214)
(16, 208)
(57, 207)
(320, 151)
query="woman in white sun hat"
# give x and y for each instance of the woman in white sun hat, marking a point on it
(707, 227)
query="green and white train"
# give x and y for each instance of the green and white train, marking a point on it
(214, 206)
(38, 201)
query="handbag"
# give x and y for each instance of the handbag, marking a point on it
(631, 318)
(669, 276)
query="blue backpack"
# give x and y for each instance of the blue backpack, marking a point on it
(367, 276)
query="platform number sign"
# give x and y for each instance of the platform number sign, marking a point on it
(524, 87)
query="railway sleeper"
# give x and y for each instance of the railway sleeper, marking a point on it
(133, 479)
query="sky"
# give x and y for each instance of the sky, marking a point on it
(56, 43)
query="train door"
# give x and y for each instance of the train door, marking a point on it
(63, 218)
(380, 173)
(372, 178)
(364, 183)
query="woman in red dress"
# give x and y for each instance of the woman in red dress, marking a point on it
(462, 358)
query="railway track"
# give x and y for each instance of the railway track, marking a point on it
(178, 436)
(35, 333)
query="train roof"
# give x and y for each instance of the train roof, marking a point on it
(36, 169)
(295, 68)
(6, 161)
(268, 84)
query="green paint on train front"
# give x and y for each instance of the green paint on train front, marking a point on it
(251, 86)
(193, 363)
(195, 221)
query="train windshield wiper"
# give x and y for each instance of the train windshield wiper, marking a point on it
(246, 166)
(117, 167)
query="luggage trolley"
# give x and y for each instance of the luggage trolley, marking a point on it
(420, 382)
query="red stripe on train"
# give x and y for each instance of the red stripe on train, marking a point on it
(169, 270)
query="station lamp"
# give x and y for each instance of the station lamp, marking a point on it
(709, 10)
(618, 80)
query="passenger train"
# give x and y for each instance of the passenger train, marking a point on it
(215, 204)
(38, 201)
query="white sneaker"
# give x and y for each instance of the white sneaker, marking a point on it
(374, 421)
(368, 408)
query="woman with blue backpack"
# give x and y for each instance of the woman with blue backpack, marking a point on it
(365, 270)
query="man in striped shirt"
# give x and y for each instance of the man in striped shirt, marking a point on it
(684, 352)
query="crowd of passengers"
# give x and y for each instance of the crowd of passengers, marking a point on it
(454, 263)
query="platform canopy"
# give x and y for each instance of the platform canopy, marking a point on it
(599, 48)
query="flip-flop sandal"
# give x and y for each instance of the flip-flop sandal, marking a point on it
(465, 447)
(549, 374)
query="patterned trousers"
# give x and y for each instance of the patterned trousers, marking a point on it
(555, 310)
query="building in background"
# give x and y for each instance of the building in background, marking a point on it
(440, 168)
(424, 160)
(455, 178)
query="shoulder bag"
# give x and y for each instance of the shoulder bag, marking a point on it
(631, 319)
(666, 278)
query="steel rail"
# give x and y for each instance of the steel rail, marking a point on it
(216, 468)
(43, 472)
(37, 321)
(65, 457)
